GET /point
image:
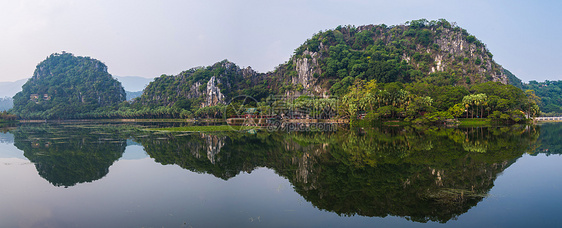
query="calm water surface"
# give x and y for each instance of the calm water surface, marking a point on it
(71, 175)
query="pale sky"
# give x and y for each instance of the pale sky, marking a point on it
(150, 38)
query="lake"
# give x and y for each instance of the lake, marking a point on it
(119, 175)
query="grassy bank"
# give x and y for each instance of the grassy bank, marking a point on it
(482, 122)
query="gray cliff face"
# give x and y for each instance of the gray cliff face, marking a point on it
(452, 44)
(248, 72)
(213, 94)
(214, 145)
(306, 68)
(210, 147)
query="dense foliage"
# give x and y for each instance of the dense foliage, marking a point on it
(427, 103)
(550, 93)
(65, 86)
(6, 117)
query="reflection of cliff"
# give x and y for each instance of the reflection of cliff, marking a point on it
(66, 156)
(214, 145)
(422, 175)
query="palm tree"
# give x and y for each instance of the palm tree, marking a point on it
(467, 102)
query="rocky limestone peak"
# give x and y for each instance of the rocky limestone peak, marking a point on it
(248, 72)
(306, 67)
(213, 93)
(227, 64)
(451, 43)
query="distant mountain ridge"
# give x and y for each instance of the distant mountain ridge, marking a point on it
(6, 103)
(134, 83)
(9, 89)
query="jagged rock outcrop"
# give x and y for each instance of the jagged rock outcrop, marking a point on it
(207, 86)
(306, 69)
(452, 43)
(213, 95)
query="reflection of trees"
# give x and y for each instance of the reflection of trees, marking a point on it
(418, 174)
(223, 155)
(549, 141)
(65, 156)
(421, 174)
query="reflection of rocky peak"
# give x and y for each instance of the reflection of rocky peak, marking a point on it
(307, 163)
(213, 145)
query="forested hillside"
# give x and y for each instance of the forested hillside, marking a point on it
(65, 86)
(436, 52)
(550, 93)
(203, 87)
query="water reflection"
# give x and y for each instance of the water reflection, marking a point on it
(420, 174)
(549, 142)
(66, 155)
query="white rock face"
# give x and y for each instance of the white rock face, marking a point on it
(452, 45)
(214, 145)
(214, 95)
(306, 67)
